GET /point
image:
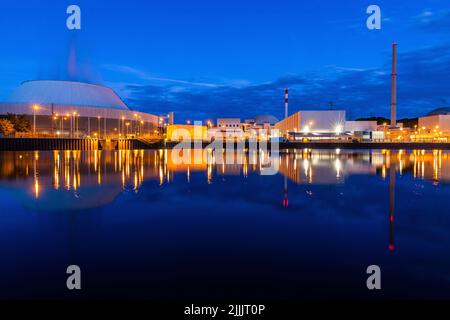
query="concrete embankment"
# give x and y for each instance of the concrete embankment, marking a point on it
(367, 145)
(43, 144)
(348, 145)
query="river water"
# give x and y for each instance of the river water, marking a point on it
(141, 226)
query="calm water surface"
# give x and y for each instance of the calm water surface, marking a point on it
(140, 226)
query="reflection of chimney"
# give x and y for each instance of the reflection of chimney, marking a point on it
(391, 204)
(286, 102)
(285, 199)
(394, 87)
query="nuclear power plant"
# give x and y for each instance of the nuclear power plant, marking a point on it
(69, 109)
(76, 109)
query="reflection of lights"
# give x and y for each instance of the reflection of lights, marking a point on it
(127, 167)
(306, 166)
(56, 170)
(36, 175)
(36, 188)
(337, 166)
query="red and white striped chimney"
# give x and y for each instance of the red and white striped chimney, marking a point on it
(286, 102)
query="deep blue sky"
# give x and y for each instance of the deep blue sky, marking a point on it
(204, 59)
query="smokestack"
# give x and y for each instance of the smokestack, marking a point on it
(286, 102)
(394, 87)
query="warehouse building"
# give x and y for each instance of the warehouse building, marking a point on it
(313, 125)
(437, 122)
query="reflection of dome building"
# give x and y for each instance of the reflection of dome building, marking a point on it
(66, 99)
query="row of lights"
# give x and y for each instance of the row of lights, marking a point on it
(75, 115)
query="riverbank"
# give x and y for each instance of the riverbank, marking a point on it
(46, 144)
(349, 145)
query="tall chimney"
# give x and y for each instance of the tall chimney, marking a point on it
(286, 102)
(394, 86)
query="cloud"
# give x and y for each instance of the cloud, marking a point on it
(144, 76)
(422, 85)
(434, 21)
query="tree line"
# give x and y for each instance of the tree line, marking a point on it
(12, 123)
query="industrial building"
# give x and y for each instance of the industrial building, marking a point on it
(76, 109)
(435, 125)
(313, 125)
(232, 128)
(355, 126)
(437, 119)
(186, 132)
(227, 128)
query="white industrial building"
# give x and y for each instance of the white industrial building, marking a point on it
(227, 128)
(437, 120)
(313, 125)
(355, 126)
(326, 125)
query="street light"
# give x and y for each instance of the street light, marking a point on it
(55, 124)
(75, 124)
(98, 125)
(35, 108)
(62, 124)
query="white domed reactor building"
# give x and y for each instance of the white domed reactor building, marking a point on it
(67, 108)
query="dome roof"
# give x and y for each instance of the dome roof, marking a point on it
(67, 93)
(263, 119)
(439, 111)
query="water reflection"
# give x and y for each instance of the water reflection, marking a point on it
(71, 170)
(47, 175)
